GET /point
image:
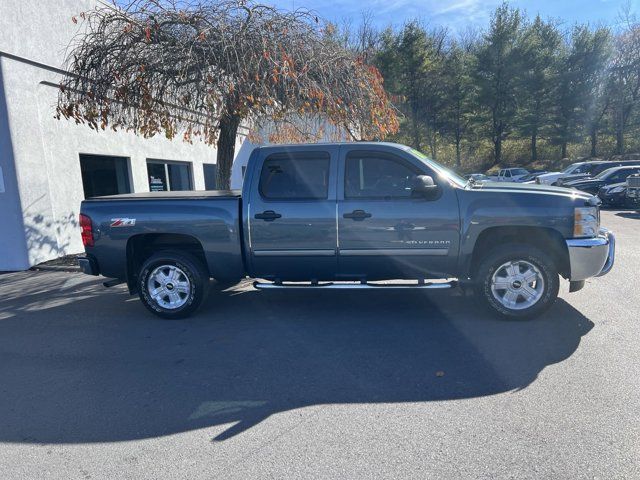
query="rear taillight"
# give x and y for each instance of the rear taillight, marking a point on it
(86, 230)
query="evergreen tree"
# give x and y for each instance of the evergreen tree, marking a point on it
(538, 80)
(498, 67)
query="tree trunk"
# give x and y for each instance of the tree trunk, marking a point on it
(497, 150)
(458, 163)
(563, 152)
(226, 150)
(594, 142)
(534, 147)
(416, 129)
(620, 140)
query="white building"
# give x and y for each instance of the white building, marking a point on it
(48, 166)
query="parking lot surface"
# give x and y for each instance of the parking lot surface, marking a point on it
(320, 384)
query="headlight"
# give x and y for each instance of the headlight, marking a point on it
(586, 222)
(617, 189)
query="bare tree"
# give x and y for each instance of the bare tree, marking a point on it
(201, 68)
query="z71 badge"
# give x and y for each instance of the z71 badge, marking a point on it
(123, 222)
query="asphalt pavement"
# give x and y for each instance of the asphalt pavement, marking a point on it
(320, 384)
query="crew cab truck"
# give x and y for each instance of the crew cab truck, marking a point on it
(336, 216)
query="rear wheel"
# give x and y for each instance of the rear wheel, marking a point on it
(173, 285)
(518, 281)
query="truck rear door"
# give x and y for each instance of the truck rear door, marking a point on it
(291, 213)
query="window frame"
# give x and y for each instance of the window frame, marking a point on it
(128, 171)
(166, 164)
(379, 154)
(293, 156)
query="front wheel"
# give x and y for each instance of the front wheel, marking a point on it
(518, 281)
(173, 285)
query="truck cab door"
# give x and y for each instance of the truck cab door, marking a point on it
(290, 214)
(384, 230)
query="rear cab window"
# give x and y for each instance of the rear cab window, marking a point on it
(295, 176)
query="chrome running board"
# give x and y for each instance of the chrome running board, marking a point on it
(352, 285)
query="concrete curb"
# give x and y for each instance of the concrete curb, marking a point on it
(56, 268)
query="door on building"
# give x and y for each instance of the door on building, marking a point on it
(167, 176)
(291, 214)
(104, 175)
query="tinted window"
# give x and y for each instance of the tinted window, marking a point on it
(601, 168)
(620, 175)
(303, 176)
(210, 171)
(168, 176)
(376, 175)
(519, 171)
(581, 169)
(103, 175)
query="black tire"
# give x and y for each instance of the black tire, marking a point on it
(522, 254)
(189, 270)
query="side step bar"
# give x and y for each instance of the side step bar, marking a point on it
(352, 286)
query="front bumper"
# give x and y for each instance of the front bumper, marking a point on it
(591, 257)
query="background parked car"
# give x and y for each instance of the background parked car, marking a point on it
(595, 168)
(478, 177)
(614, 195)
(589, 170)
(608, 177)
(511, 174)
(531, 177)
(574, 169)
(633, 191)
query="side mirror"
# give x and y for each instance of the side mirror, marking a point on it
(424, 186)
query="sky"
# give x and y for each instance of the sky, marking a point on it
(458, 15)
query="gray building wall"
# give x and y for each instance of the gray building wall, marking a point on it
(39, 155)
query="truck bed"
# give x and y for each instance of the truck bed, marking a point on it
(150, 221)
(188, 194)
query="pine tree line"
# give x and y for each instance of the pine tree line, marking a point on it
(523, 91)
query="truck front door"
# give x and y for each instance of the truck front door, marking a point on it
(384, 231)
(291, 214)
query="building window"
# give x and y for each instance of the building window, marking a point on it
(104, 175)
(210, 173)
(168, 176)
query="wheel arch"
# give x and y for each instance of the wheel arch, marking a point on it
(140, 247)
(546, 239)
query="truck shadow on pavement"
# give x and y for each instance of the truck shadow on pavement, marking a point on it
(82, 364)
(629, 214)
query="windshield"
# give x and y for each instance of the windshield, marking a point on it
(577, 168)
(598, 168)
(604, 174)
(584, 168)
(531, 176)
(444, 172)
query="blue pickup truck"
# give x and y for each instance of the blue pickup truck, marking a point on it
(349, 216)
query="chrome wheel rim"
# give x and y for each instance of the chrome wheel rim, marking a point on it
(517, 285)
(169, 286)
